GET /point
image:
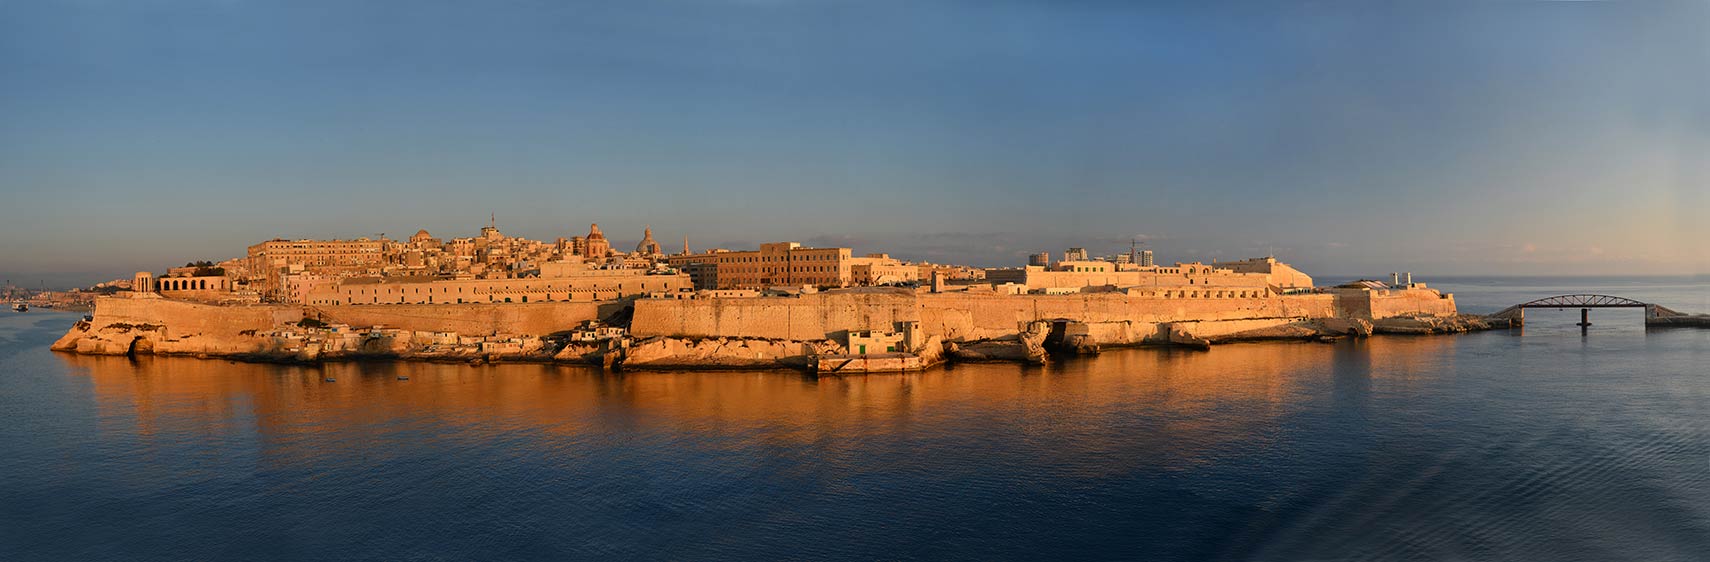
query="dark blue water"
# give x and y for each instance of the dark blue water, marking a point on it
(1546, 444)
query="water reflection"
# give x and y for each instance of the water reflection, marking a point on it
(1099, 412)
(1488, 446)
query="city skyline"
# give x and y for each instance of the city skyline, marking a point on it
(1536, 138)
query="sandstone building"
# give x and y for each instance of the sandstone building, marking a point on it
(1266, 274)
(270, 261)
(791, 264)
(558, 282)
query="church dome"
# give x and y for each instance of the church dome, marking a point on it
(647, 245)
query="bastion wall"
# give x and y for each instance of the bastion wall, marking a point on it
(185, 319)
(536, 319)
(1111, 318)
(1411, 302)
(953, 316)
(963, 317)
(805, 318)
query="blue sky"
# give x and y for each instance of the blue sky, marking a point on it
(1348, 137)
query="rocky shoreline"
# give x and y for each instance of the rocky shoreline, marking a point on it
(1033, 345)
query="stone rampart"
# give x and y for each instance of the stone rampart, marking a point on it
(964, 317)
(805, 318)
(185, 319)
(127, 323)
(1412, 302)
(746, 332)
(1115, 317)
(470, 319)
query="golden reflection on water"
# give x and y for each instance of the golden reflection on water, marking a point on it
(1093, 411)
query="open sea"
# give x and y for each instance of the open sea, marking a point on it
(1546, 443)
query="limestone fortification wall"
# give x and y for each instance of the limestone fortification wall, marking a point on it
(1117, 317)
(144, 324)
(1412, 302)
(953, 316)
(961, 316)
(156, 325)
(804, 318)
(470, 319)
(183, 319)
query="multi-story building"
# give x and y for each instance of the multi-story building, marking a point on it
(775, 264)
(880, 269)
(1260, 274)
(954, 273)
(704, 275)
(1276, 273)
(318, 254)
(269, 260)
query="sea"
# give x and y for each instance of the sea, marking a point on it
(1550, 442)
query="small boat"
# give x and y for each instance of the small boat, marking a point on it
(20, 307)
(403, 377)
(330, 379)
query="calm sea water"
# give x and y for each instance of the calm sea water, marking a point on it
(1546, 444)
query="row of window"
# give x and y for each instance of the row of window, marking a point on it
(1211, 294)
(666, 285)
(187, 285)
(777, 259)
(490, 299)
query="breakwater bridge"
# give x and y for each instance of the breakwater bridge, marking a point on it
(1655, 315)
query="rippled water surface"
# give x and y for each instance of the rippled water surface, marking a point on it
(1546, 444)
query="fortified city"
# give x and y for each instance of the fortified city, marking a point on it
(494, 297)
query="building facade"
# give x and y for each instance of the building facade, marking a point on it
(270, 261)
(1257, 275)
(774, 264)
(559, 282)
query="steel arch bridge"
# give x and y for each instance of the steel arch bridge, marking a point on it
(1584, 302)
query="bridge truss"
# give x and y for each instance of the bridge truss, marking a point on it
(1583, 301)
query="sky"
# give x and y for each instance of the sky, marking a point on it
(1348, 138)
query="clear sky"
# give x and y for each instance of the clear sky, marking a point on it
(1349, 137)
